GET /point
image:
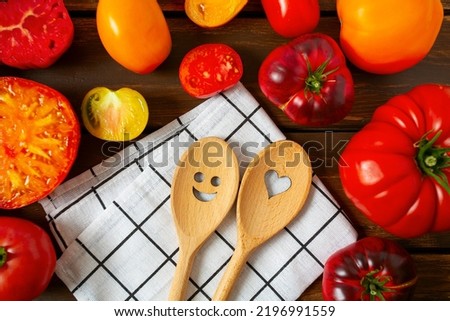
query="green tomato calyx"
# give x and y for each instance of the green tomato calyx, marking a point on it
(432, 160)
(3, 256)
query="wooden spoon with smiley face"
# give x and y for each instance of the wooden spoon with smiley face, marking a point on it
(204, 188)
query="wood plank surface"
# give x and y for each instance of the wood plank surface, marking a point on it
(86, 65)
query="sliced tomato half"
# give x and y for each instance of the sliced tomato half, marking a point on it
(39, 139)
(209, 69)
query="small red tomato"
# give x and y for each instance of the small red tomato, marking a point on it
(372, 268)
(39, 139)
(292, 18)
(309, 80)
(209, 69)
(27, 259)
(34, 34)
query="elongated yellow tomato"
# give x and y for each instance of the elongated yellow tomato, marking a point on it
(386, 36)
(119, 115)
(134, 33)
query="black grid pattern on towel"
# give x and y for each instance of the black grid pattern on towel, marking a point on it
(167, 257)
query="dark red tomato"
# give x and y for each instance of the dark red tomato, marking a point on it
(292, 18)
(209, 69)
(39, 138)
(308, 79)
(372, 268)
(34, 33)
(396, 169)
(27, 259)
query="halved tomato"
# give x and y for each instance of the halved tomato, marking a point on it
(209, 69)
(39, 139)
(115, 115)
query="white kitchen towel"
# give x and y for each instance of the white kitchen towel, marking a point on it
(115, 227)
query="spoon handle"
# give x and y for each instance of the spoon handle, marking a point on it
(231, 274)
(181, 278)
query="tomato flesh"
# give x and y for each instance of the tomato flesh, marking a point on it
(34, 34)
(209, 69)
(39, 138)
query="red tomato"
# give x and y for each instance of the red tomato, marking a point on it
(308, 79)
(372, 268)
(134, 33)
(397, 168)
(292, 18)
(209, 69)
(39, 138)
(33, 34)
(386, 36)
(27, 259)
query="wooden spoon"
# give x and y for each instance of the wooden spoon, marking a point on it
(260, 214)
(204, 188)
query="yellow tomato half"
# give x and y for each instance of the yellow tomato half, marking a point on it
(119, 115)
(386, 36)
(134, 33)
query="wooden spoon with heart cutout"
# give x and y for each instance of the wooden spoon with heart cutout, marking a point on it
(260, 214)
(204, 188)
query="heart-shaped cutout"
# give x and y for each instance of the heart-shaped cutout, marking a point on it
(275, 184)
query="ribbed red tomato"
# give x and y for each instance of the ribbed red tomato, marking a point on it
(372, 268)
(396, 170)
(308, 80)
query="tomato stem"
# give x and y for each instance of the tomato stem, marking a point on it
(433, 160)
(3, 256)
(314, 81)
(374, 286)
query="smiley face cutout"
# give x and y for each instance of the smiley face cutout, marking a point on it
(205, 181)
(205, 188)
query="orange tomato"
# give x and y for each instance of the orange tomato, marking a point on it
(386, 36)
(134, 33)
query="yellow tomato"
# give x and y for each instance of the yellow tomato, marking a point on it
(119, 115)
(134, 33)
(386, 36)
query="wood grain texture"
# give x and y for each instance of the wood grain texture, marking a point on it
(86, 65)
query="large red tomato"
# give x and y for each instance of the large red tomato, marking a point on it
(386, 36)
(396, 169)
(134, 33)
(34, 33)
(292, 18)
(39, 138)
(27, 259)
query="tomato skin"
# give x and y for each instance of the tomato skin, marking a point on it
(308, 79)
(39, 140)
(209, 69)
(381, 258)
(381, 171)
(34, 34)
(385, 37)
(30, 259)
(292, 18)
(115, 115)
(134, 33)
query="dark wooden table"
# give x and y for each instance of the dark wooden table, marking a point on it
(86, 65)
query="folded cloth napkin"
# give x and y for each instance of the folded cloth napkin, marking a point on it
(115, 227)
